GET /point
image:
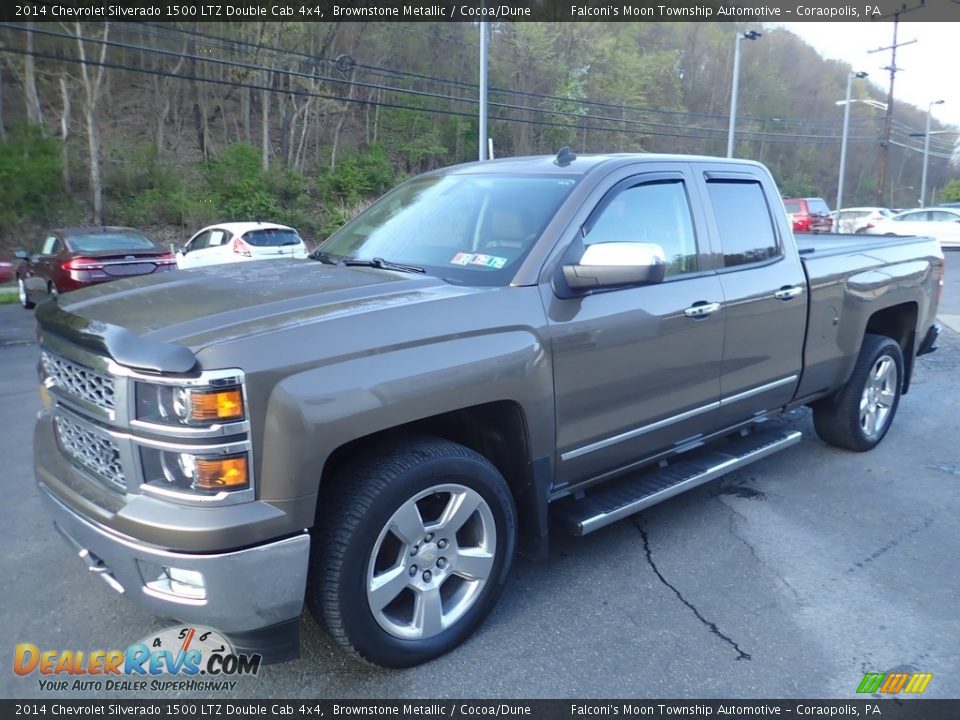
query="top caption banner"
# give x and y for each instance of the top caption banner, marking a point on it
(473, 10)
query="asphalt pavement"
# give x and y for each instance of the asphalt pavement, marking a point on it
(791, 578)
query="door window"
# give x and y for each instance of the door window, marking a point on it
(51, 245)
(655, 212)
(201, 241)
(747, 233)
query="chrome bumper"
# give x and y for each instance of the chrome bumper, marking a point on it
(242, 591)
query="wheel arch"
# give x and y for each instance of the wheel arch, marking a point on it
(899, 323)
(497, 430)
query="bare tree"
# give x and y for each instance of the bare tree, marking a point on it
(34, 113)
(92, 78)
(65, 132)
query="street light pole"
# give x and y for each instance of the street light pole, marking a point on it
(483, 91)
(926, 154)
(843, 141)
(748, 35)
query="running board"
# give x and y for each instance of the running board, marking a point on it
(618, 499)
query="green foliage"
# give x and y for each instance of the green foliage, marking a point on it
(142, 188)
(358, 176)
(951, 191)
(30, 167)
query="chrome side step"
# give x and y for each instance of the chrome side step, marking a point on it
(621, 498)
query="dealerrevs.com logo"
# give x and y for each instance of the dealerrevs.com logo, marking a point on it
(179, 658)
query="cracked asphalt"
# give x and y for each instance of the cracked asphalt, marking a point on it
(791, 578)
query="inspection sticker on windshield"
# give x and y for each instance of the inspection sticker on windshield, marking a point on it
(491, 261)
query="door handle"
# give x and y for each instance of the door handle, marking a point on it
(788, 292)
(701, 310)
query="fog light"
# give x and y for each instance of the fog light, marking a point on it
(187, 582)
(185, 585)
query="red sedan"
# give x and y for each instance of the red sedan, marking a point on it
(6, 271)
(72, 258)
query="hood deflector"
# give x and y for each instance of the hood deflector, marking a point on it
(114, 341)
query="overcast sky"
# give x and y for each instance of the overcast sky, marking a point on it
(928, 67)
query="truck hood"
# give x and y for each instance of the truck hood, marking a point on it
(159, 322)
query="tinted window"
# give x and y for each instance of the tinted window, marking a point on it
(271, 237)
(656, 213)
(943, 216)
(95, 242)
(743, 218)
(913, 217)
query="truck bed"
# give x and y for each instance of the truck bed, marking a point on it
(831, 244)
(848, 277)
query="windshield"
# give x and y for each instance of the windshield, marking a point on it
(272, 237)
(104, 241)
(468, 229)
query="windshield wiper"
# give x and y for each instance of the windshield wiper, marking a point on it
(382, 264)
(324, 258)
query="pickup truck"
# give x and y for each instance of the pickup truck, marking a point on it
(488, 352)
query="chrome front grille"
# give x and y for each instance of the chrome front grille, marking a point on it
(100, 455)
(78, 381)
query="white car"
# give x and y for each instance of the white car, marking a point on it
(942, 223)
(859, 219)
(241, 241)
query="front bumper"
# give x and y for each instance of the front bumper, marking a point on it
(253, 595)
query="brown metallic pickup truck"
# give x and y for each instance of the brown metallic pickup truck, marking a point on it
(377, 430)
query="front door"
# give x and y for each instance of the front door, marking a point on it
(635, 369)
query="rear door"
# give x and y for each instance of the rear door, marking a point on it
(764, 293)
(634, 372)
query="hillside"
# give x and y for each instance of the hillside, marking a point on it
(304, 122)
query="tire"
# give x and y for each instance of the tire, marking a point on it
(411, 549)
(859, 415)
(52, 291)
(24, 297)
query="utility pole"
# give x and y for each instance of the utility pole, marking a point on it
(888, 120)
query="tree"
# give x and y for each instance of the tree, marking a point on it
(951, 191)
(92, 88)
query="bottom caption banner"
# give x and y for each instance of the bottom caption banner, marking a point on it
(538, 709)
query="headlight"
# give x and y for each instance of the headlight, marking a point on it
(174, 405)
(195, 473)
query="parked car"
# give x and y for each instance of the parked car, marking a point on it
(71, 258)
(240, 241)
(860, 219)
(6, 271)
(376, 431)
(942, 223)
(809, 214)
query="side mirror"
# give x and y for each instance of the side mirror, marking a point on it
(616, 264)
(178, 249)
(21, 254)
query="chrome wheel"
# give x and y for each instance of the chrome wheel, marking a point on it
(431, 561)
(879, 395)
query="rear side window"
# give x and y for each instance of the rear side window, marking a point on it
(96, 242)
(792, 206)
(746, 228)
(271, 237)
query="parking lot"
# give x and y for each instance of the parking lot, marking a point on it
(791, 578)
